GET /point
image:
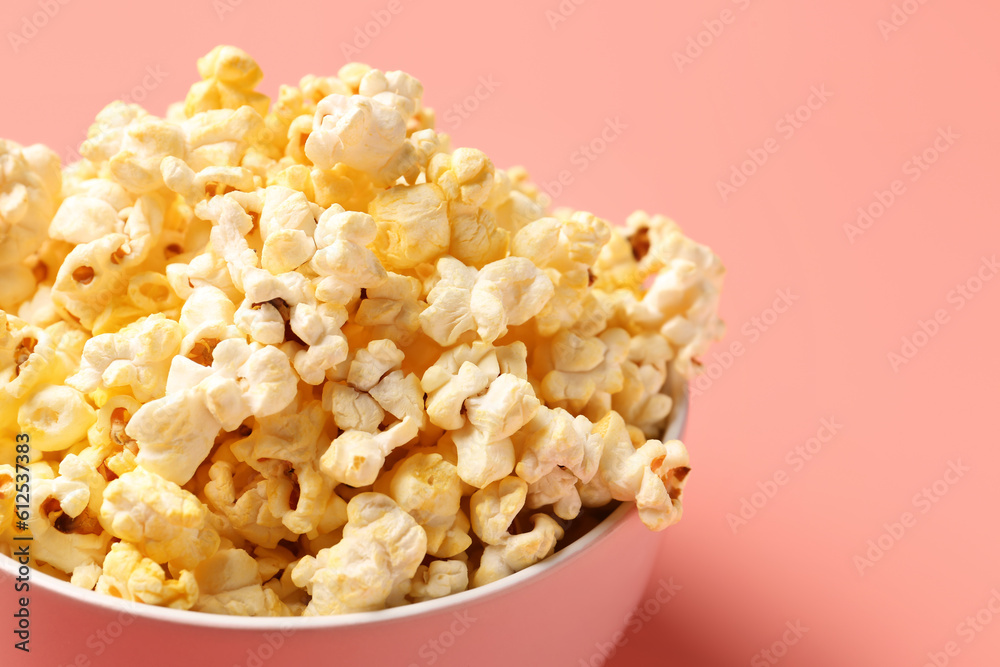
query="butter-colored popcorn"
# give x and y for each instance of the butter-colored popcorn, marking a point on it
(145, 142)
(652, 474)
(128, 575)
(229, 77)
(485, 450)
(577, 387)
(555, 439)
(412, 223)
(285, 449)
(274, 358)
(377, 558)
(558, 489)
(641, 401)
(494, 507)
(373, 362)
(86, 576)
(466, 177)
(166, 523)
(32, 358)
(513, 208)
(82, 219)
(508, 292)
(343, 258)
(243, 505)
(517, 552)
(465, 371)
(137, 357)
(175, 433)
(319, 327)
(356, 457)
(30, 182)
(392, 309)
(207, 318)
(95, 274)
(55, 418)
(429, 488)
(439, 579)
(448, 318)
(221, 137)
(229, 582)
(401, 396)
(352, 409)
(59, 539)
(396, 89)
(8, 490)
(361, 132)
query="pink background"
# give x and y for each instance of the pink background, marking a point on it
(683, 127)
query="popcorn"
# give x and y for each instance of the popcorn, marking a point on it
(30, 181)
(448, 317)
(412, 223)
(175, 433)
(229, 582)
(439, 579)
(428, 487)
(55, 418)
(356, 457)
(284, 448)
(343, 259)
(378, 556)
(137, 357)
(352, 409)
(128, 575)
(306, 358)
(243, 505)
(495, 506)
(653, 475)
(508, 292)
(485, 450)
(517, 552)
(166, 523)
(62, 540)
(229, 76)
(392, 309)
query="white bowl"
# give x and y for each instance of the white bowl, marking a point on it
(553, 613)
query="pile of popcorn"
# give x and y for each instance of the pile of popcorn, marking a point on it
(305, 358)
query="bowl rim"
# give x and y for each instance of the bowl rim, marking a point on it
(596, 535)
